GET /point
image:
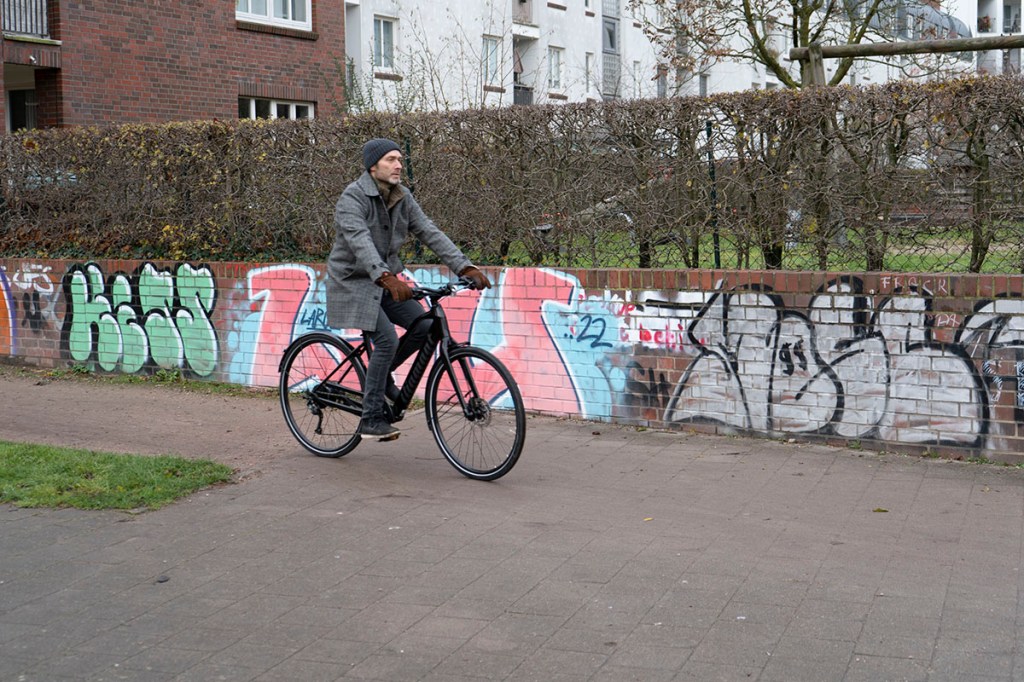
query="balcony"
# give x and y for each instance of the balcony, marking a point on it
(25, 18)
(522, 12)
(522, 21)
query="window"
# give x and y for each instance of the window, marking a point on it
(383, 43)
(588, 71)
(703, 85)
(611, 35)
(637, 71)
(555, 68)
(491, 64)
(257, 107)
(287, 13)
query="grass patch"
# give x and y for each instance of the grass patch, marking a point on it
(44, 476)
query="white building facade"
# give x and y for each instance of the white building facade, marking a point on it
(437, 55)
(994, 18)
(453, 54)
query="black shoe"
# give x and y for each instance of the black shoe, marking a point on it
(378, 428)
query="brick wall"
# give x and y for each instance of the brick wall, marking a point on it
(126, 62)
(915, 363)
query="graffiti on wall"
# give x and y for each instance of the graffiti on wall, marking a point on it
(994, 337)
(852, 366)
(845, 362)
(147, 320)
(33, 286)
(282, 302)
(8, 317)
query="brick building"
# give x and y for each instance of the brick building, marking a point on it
(116, 61)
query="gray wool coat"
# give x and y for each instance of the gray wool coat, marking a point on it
(367, 238)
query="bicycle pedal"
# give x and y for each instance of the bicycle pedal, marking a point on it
(389, 437)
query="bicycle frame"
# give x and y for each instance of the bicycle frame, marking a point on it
(479, 436)
(438, 339)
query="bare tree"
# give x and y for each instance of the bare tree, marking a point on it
(692, 35)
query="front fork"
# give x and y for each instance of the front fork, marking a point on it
(475, 408)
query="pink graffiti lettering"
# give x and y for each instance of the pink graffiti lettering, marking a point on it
(527, 350)
(279, 291)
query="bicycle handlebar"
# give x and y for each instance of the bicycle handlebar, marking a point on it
(419, 293)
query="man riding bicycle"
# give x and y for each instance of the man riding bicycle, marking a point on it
(372, 220)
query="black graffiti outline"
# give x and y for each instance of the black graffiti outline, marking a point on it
(865, 327)
(33, 312)
(595, 339)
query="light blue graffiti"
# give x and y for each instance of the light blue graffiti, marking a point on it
(585, 333)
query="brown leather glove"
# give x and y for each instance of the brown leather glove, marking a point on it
(398, 289)
(479, 279)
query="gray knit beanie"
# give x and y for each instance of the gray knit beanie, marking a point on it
(375, 149)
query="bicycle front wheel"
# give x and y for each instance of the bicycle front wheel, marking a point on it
(476, 413)
(321, 392)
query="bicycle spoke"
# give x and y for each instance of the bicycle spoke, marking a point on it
(311, 406)
(479, 438)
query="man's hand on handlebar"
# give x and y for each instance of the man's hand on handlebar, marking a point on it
(473, 274)
(398, 289)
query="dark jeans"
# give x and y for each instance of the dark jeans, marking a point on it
(385, 348)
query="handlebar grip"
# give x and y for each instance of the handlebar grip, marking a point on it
(420, 293)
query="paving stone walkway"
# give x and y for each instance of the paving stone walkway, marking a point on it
(607, 554)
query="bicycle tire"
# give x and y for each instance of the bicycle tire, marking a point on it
(484, 441)
(322, 415)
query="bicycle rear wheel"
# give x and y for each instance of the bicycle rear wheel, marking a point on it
(476, 413)
(321, 392)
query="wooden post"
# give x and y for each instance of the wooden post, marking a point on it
(908, 47)
(814, 69)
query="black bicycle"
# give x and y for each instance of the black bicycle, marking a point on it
(473, 405)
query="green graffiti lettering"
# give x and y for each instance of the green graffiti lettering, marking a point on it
(197, 294)
(164, 321)
(164, 341)
(156, 290)
(135, 345)
(108, 342)
(156, 296)
(89, 306)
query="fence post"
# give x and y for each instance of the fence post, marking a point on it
(814, 69)
(714, 195)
